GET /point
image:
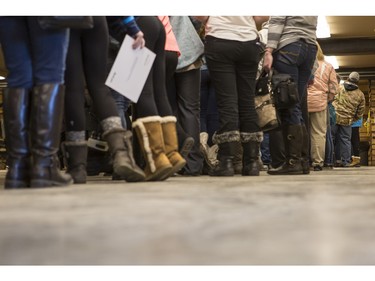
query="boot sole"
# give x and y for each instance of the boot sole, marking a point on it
(48, 183)
(175, 169)
(160, 174)
(129, 175)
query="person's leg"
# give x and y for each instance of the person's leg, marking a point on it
(188, 103)
(318, 130)
(345, 133)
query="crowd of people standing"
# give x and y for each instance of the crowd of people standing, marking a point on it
(178, 118)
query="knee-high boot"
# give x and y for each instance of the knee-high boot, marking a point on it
(227, 143)
(121, 150)
(168, 125)
(293, 146)
(74, 151)
(305, 151)
(151, 141)
(251, 147)
(16, 104)
(46, 122)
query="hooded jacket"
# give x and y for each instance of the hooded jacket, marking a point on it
(349, 104)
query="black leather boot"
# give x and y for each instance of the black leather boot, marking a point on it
(251, 147)
(120, 147)
(75, 159)
(16, 103)
(293, 147)
(46, 122)
(305, 149)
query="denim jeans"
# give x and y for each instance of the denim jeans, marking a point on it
(296, 59)
(122, 104)
(32, 55)
(343, 145)
(209, 116)
(233, 66)
(329, 154)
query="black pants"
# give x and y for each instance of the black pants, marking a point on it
(86, 64)
(154, 98)
(233, 66)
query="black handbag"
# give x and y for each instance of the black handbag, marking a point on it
(57, 22)
(268, 118)
(285, 90)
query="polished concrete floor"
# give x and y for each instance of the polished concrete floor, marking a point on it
(325, 218)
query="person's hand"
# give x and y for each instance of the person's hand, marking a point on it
(267, 61)
(139, 41)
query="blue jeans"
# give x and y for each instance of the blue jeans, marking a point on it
(32, 55)
(209, 116)
(296, 59)
(122, 104)
(343, 144)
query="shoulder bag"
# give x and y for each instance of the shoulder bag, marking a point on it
(268, 118)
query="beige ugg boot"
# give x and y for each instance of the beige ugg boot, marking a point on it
(168, 125)
(356, 161)
(150, 136)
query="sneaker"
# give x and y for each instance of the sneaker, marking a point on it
(186, 147)
(317, 168)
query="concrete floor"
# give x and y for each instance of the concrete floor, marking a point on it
(325, 218)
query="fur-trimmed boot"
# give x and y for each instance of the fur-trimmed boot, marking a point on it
(120, 148)
(74, 150)
(46, 122)
(238, 159)
(16, 104)
(150, 136)
(227, 143)
(168, 125)
(251, 147)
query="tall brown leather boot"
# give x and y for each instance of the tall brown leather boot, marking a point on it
(150, 136)
(46, 122)
(293, 146)
(16, 104)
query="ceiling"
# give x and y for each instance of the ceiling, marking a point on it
(352, 41)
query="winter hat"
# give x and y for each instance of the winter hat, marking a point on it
(354, 77)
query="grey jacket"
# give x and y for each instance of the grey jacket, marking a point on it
(191, 46)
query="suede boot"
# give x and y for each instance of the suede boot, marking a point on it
(120, 148)
(168, 125)
(150, 136)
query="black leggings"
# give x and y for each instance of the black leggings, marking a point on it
(154, 99)
(87, 62)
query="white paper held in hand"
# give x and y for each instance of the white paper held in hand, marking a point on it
(130, 70)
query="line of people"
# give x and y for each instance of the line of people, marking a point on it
(49, 71)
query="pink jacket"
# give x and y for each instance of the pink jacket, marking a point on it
(170, 41)
(325, 82)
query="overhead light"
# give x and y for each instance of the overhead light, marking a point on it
(332, 60)
(322, 29)
(2, 77)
